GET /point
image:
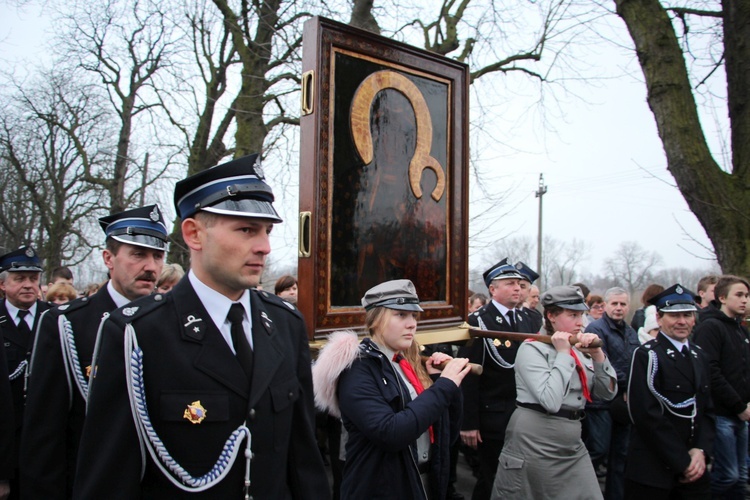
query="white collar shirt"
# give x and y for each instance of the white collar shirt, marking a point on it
(119, 299)
(218, 306)
(13, 313)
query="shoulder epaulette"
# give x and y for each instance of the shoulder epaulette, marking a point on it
(71, 306)
(139, 307)
(272, 299)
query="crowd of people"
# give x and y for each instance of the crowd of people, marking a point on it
(167, 384)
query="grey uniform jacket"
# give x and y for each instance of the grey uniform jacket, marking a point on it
(545, 377)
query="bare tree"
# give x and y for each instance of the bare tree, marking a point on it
(43, 131)
(716, 41)
(632, 266)
(122, 45)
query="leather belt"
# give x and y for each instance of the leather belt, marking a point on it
(569, 414)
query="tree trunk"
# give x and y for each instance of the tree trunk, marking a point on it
(719, 199)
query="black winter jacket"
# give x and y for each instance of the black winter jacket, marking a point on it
(383, 425)
(727, 345)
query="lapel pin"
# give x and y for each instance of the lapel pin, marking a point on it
(195, 412)
(507, 343)
(496, 342)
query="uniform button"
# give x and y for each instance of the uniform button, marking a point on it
(424, 455)
(678, 386)
(291, 394)
(251, 415)
(579, 398)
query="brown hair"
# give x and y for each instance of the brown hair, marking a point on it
(375, 320)
(594, 299)
(650, 292)
(61, 290)
(550, 310)
(706, 281)
(286, 281)
(725, 283)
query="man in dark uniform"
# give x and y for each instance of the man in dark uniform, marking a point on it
(668, 402)
(7, 428)
(489, 400)
(19, 316)
(59, 372)
(213, 367)
(531, 315)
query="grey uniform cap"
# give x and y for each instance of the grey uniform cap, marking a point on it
(567, 297)
(395, 294)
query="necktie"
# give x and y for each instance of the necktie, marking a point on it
(23, 327)
(582, 375)
(411, 376)
(512, 319)
(242, 347)
(685, 351)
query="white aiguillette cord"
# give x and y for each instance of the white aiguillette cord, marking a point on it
(148, 437)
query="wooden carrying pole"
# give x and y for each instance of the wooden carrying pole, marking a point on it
(519, 337)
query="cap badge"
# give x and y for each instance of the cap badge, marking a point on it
(678, 290)
(259, 169)
(29, 252)
(154, 215)
(195, 412)
(129, 311)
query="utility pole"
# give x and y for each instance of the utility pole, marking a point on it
(542, 190)
(144, 180)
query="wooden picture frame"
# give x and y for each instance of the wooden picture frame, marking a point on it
(383, 176)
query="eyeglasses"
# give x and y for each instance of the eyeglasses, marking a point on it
(597, 306)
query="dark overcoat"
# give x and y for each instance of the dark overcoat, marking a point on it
(660, 440)
(17, 350)
(489, 399)
(185, 360)
(55, 407)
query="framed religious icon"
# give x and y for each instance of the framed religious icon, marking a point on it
(383, 176)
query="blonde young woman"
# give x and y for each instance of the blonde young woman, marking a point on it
(544, 456)
(401, 417)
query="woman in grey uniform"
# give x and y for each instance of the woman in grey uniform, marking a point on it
(544, 456)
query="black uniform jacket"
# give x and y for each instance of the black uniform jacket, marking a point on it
(493, 393)
(7, 423)
(17, 349)
(55, 407)
(187, 360)
(659, 440)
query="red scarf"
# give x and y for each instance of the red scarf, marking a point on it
(582, 375)
(411, 376)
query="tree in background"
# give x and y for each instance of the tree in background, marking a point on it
(682, 50)
(46, 127)
(632, 266)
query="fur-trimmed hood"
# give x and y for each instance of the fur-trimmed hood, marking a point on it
(338, 355)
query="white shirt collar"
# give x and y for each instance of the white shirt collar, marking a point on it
(218, 304)
(503, 310)
(676, 343)
(13, 313)
(119, 299)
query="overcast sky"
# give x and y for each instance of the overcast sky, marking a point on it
(603, 165)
